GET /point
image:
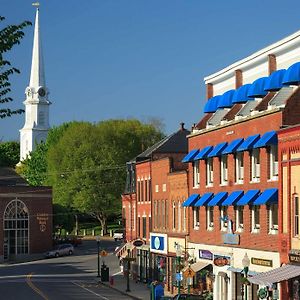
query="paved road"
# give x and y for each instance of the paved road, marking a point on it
(70, 277)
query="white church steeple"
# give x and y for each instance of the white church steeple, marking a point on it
(36, 125)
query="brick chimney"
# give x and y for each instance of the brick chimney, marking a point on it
(209, 90)
(182, 126)
(272, 63)
(238, 78)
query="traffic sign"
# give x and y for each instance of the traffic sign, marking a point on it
(189, 273)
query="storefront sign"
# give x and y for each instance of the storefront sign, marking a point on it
(158, 243)
(262, 262)
(138, 243)
(42, 219)
(221, 261)
(294, 256)
(205, 254)
(262, 293)
(231, 238)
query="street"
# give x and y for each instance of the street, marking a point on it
(69, 277)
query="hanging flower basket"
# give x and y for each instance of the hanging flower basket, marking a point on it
(245, 281)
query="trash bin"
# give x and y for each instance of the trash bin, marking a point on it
(156, 291)
(104, 273)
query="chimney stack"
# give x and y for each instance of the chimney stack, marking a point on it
(209, 90)
(238, 78)
(272, 63)
(182, 126)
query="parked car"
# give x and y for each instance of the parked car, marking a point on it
(118, 235)
(183, 297)
(74, 240)
(60, 250)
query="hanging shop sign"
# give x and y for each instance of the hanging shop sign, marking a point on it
(158, 243)
(189, 273)
(205, 254)
(262, 293)
(294, 256)
(221, 261)
(138, 243)
(231, 238)
(262, 262)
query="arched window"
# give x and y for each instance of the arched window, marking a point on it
(16, 227)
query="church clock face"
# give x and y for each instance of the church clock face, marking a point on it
(42, 92)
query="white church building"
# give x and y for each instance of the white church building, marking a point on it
(36, 125)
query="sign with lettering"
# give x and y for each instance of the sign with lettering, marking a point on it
(294, 258)
(221, 261)
(231, 238)
(205, 254)
(262, 262)
(42, 218)
(158, 243)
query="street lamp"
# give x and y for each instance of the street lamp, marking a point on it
(246, 263)
(178, 258)
(98, 247)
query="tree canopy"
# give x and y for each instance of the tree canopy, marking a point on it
(10, 36)
(9, 154)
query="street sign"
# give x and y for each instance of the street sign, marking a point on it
(103, 253)
(179, 276)
(189, 273)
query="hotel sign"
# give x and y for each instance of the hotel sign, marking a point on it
(262, 262)
(294, 256)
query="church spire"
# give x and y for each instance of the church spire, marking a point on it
(37, 75)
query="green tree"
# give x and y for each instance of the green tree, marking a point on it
(9, 154)
(10, 36)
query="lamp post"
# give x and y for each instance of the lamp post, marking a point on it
(246, 263)
(98, 252)
(128, 269)
(178, 258)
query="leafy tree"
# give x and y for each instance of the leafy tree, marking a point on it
(10, 36)
(9, 154)
(63, 217)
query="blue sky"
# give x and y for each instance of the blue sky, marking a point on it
(138, 58)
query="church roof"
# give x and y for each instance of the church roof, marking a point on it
(9, 177)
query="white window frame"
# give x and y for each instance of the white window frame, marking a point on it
(209, 171)
(239, 214)
(273, 161)
(224, 169)
(273, 227)
(223, 213)
(296, 216)
(255, 165)
(164, 187)
(210, 218)
(239, 167)
(255, 219)
(196, 218)
(173, 215)
(156, 188)
(184, 218)
(196, 174)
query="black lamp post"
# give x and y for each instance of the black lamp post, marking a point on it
(128, 268)
(246, 263)
(98, 252)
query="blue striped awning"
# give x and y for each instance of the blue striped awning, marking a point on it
(268, 196)
(204, 199)
(191, 200)
(233, 198)
(269, 138)
(226, 99)
(203, 153)
(231, 148)
(274, 81)
(257, 88)
(292, 75)
(217, 150)
(211, 105)
(240, 95)
(190, 156)
(248, 197)
(217, 199)
(248, 143)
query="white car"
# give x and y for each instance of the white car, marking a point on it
(118, 235)
(60, 250)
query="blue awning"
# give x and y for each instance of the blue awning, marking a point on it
(203, 153)
(274, 81)
(233, 146)
(292, 75)
(269, 138)
(248, 143)
(269, 196)
(233, 198)
(190, 156)
(257, 88)
(211, 105)
(217, 150)
(204, 199)
(226, 99)
(240, 95)
(191, 200)
(248, 197)
(217, 199)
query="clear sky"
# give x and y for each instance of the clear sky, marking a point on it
(138, 58)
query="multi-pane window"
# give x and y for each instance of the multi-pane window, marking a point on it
(184, 219)
(139, 191)
(196, 174)
(134, 220)
(146, 190)
(255, 220)
(174, 215)
(210, 217)
(255, 165)
(139, 226)
(163, 214)
(179, 216)
(273, 160)
(144, 227)
(224, 169)
(273, 219)
(296, 215)
(142, 190)
(223, 218)
(239, 167)
(196, 217)
(239, 215)
(209, 172)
